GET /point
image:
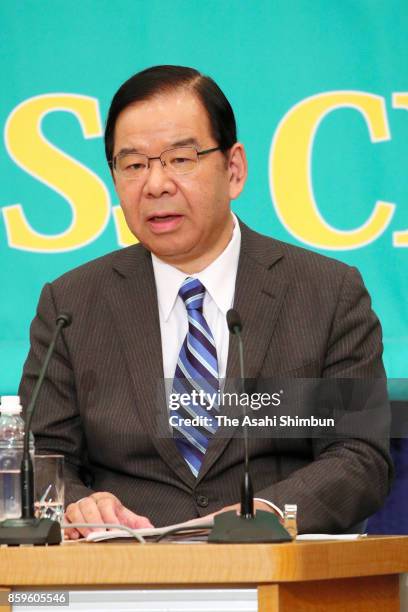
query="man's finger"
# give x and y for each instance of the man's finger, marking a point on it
(132, 520)
(84, 511)
(103, 495)
(71, 534)
(109, 510)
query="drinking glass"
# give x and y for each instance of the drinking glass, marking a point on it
(49, 487)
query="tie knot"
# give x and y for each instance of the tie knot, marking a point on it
(192, 293)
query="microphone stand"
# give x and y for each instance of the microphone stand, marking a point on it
(248, 526)
(28, 529)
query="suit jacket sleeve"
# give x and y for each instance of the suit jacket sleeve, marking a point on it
(54, 434)
(349, 478)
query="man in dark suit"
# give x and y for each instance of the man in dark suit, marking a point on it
(176, 163)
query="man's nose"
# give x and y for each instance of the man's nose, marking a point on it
(158, 180)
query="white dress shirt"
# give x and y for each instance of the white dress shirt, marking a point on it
(219, 281)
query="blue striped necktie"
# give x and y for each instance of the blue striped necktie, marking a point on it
(197, 369)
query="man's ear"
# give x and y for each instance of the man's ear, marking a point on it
(237, 169)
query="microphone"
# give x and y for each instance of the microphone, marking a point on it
(247, 492)
(234, 322)
(28, 529)
(247, 526)
(65, 318)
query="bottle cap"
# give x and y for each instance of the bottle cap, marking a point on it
(10, 404)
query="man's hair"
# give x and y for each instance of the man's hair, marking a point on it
(164, 79)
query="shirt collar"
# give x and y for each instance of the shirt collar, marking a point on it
(218, 278)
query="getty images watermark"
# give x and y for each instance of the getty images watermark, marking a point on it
(246, 403)
(279, 407)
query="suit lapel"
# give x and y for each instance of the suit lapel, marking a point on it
(133, 302)
(259, 295)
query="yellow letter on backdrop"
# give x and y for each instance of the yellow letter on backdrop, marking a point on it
(123, 233)
(80, 187)
(290, 170)
(400, 100)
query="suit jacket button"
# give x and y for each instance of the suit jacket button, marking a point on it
(202, 501)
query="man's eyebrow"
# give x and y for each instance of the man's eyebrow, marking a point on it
(127, 151)
(184, 142)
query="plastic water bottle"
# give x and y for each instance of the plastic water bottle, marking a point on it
(11, 453)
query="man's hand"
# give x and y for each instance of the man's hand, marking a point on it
(101, 507)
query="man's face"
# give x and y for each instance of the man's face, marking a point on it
(184, 219)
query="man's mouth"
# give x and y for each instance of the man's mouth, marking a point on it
(164, 223)
(163, 218)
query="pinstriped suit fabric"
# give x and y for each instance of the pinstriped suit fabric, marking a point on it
(103, 404)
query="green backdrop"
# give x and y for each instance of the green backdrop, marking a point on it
(320, 91)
